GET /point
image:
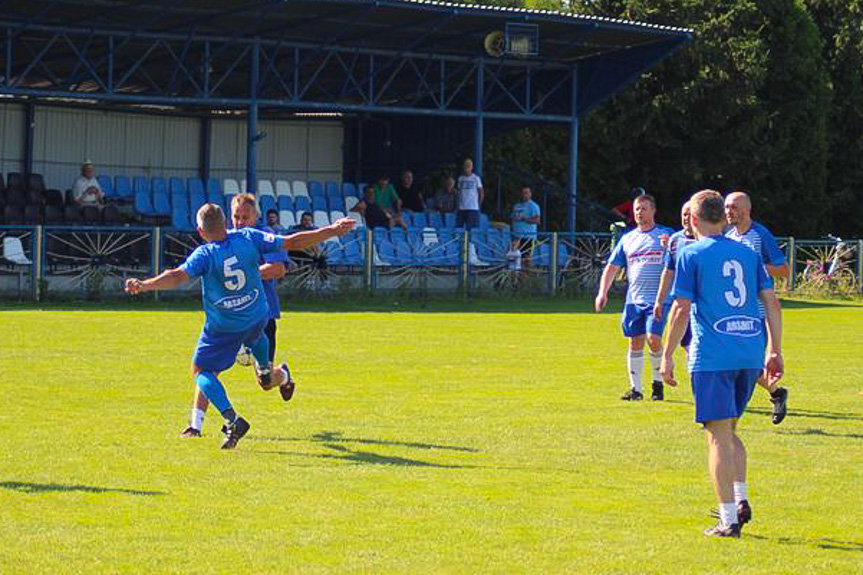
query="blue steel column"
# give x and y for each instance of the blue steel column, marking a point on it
(252, 123)
(205, 136)
(478, 126)
(29, 126)
(573, 156)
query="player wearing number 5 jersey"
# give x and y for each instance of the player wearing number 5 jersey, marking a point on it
(718, 283)
(234, 302)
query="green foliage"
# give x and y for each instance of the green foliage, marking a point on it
(747, 104)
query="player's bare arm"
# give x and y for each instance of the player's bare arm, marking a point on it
(665, 283)
(272, 271)
(302, 240)
(678, 317)
(604, 285)
(168, 279)
(774, 365)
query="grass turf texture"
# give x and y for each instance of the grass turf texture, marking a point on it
(459, 441)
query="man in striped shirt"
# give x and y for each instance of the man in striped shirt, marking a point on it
(743, 229)
(676, 243)
(641, 252)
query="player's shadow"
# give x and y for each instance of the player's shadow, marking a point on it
(340, 449)
(334, 437)
(811, 413)
(826, 543)
(800, 304)
(25, 487)
(819, 433)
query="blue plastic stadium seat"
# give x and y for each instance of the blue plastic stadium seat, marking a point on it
(336, 203)
(319, 203)
(123, 188)
(197, 195)
(435, 220)
(332, 190)
(286, 203)
(180, 218)
(483, 221)
(353, 255)
(349, 189)
(267, 203)
(302, 204)
(227, 199)
(449, 220)
(107, 187)
(161, 199)
(387, 252)
(316, 189)
(420, 220)
(214, 191)
(404, 254)
(179, 194)
(143, 197)
(398, 235)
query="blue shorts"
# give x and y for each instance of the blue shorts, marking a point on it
(722, 394)
(217, 351)
(637, 319)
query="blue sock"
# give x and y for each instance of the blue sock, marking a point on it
(211, 387)
(261, 350)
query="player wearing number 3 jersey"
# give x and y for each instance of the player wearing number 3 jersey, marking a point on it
(234, 302)
(718, 283)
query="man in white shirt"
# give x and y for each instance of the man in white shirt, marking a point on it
(470, 196)
(86, 190)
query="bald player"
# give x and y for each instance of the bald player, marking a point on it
(738, 210)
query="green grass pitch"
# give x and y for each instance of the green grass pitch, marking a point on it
(450, 438)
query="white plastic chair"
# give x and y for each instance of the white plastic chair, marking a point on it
(13, 251)
(350, 202)
(231, 187)
(265, 188)
(320, 218)
(283, 188)
(300, 189)
(336, 215)
(429, 236)
(286, 219)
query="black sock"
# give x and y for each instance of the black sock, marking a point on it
(776, 393)
(230, 415)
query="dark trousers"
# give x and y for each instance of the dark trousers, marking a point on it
(270, 330)
(468, 219)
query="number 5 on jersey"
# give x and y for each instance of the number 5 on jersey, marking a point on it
(236, 279)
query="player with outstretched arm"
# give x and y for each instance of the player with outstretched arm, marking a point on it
(234, 302)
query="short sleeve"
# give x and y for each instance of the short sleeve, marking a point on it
(197, 263)
(770, 252)
(618, 256)
(685, 276)
(764, 280)
(478, 181)
(265, 242)
(534, 210)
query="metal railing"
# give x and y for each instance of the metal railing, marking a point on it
(93, 262)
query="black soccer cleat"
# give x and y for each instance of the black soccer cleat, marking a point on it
(190, 432)
(658, 393)
(718, 530)
(780, 405)
(287, 389)
(235, 432)
(632, 395)
(744, 513)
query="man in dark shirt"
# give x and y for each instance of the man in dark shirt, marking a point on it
(412, 198)
(374, 215)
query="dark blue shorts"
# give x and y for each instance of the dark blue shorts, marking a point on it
(637, 319)
(687, 335)
(467, 219)
(722, 394)
(217, 351)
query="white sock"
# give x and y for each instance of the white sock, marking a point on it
(197, 420)
(741, 492)
(655, 363)
(727, 514)
(635, 364)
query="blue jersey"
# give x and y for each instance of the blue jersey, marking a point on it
(278, 257)
(722, 279)
(676, 242)
(641, 253)
(231, 284)
(761, 241)
(520, 228)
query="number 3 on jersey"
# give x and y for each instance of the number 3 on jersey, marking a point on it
(733, 268)
(236, 279)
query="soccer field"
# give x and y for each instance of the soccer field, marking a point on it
(417, 442)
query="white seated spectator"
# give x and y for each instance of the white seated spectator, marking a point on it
(445, 198)
(86, 189)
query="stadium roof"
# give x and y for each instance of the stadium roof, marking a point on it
(324, 55)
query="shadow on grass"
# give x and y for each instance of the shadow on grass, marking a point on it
(367, 458)
(801, 304)
(61, 488)
(811, 413)
(336, 437)
(821, 433)
(822, 543)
